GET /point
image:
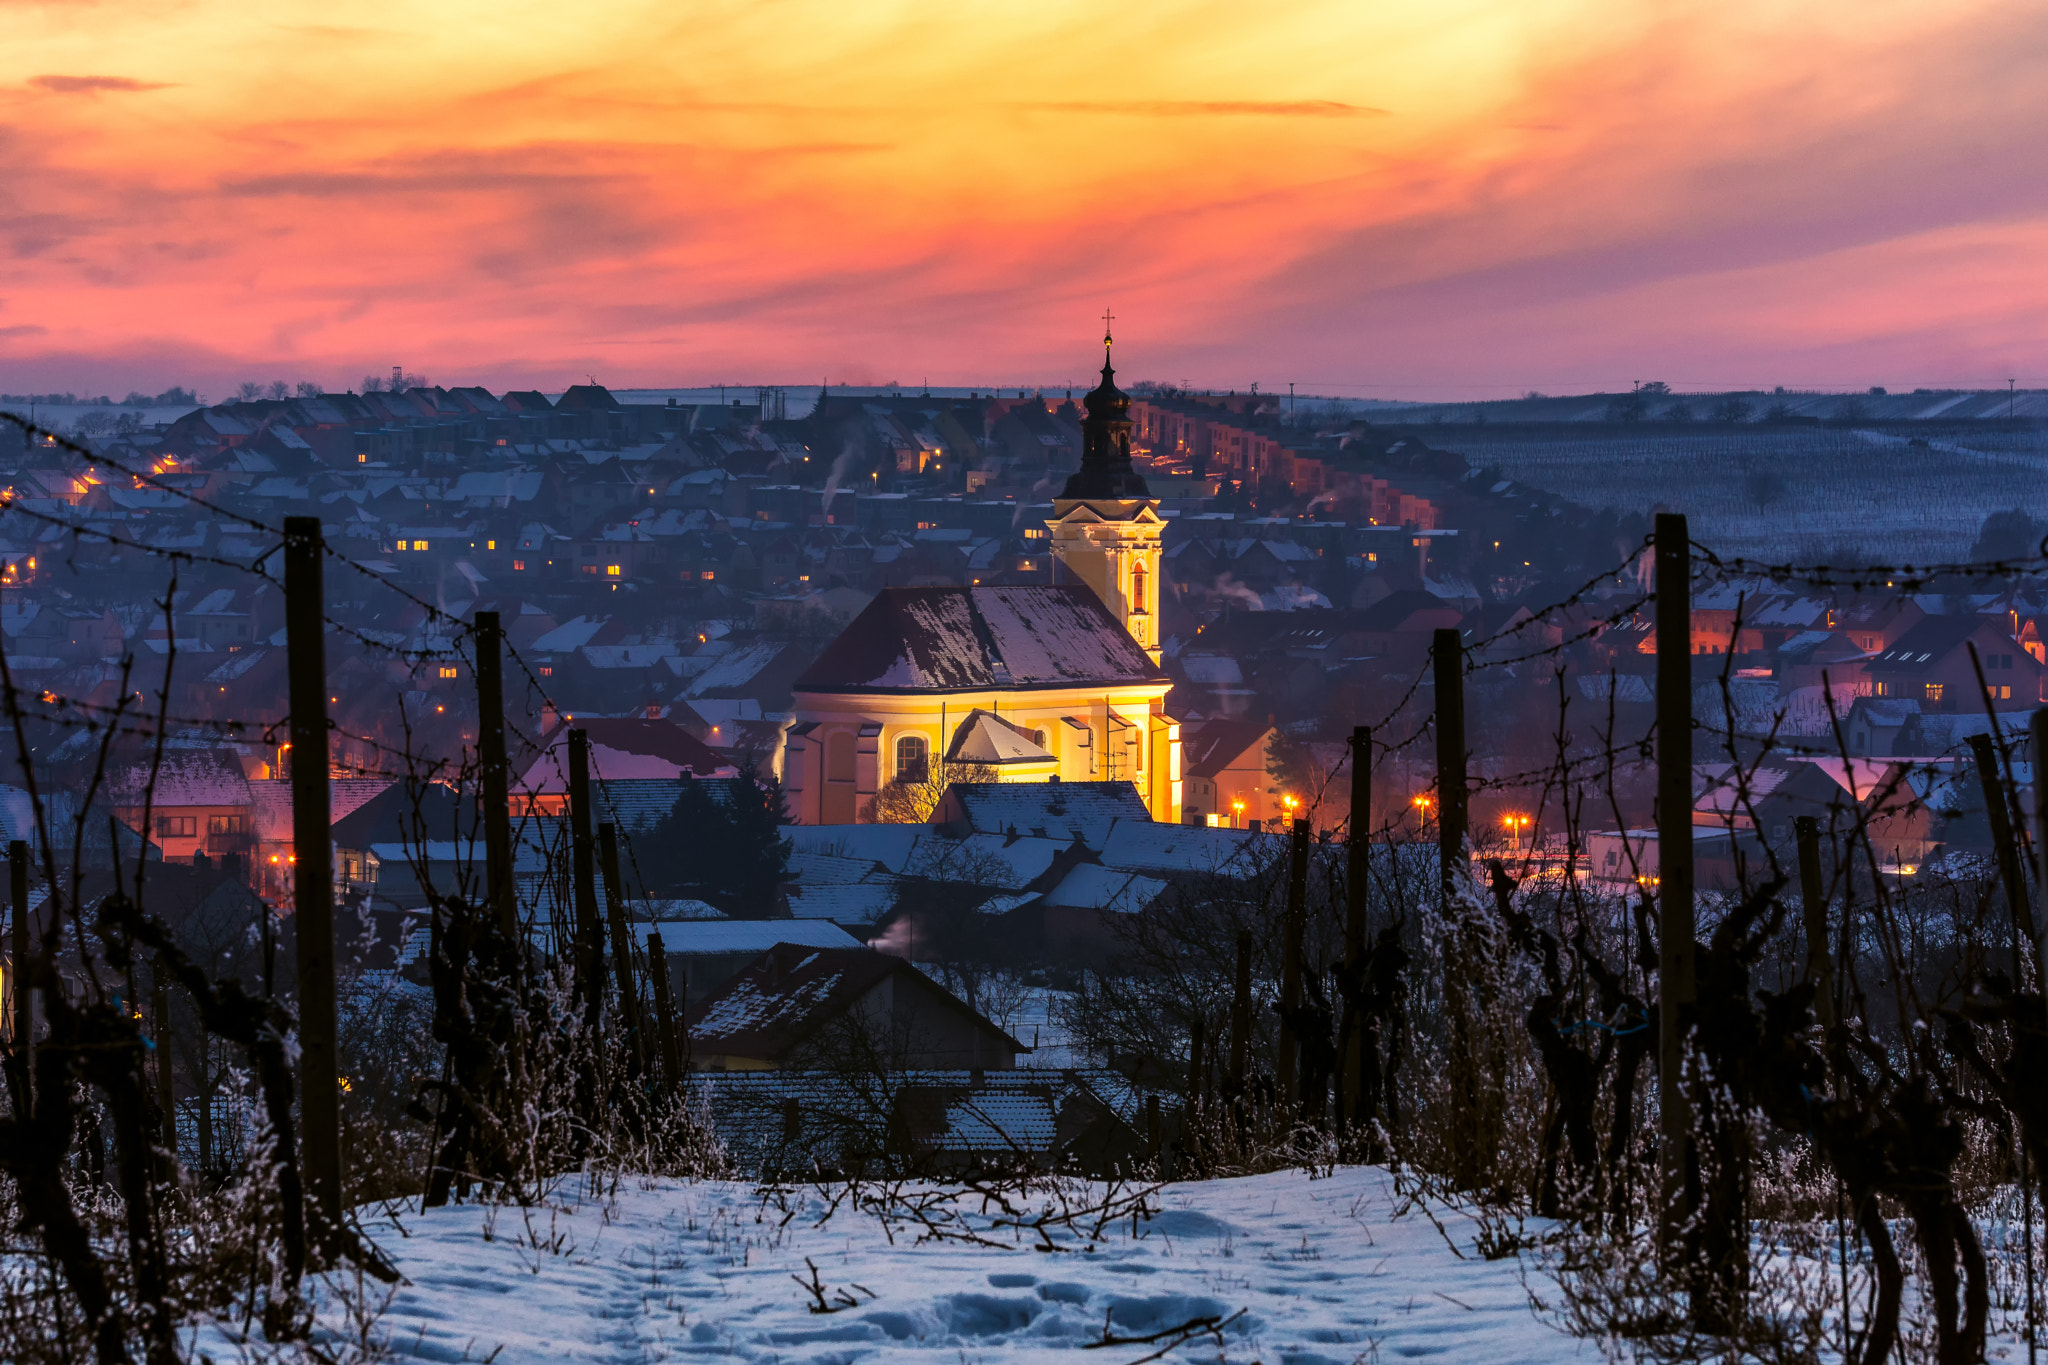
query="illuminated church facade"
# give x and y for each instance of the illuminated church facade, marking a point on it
(1035, 682)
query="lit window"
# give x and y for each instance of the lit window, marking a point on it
(590, 569)
(611, 571)
(518, 566)
(547, 671)
(911, 754)
(450, 671)
(706, 575)
(419, 545)
(362, 458)
(1934, 691)
(490, 545)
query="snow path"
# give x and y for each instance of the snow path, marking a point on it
(676, 1271)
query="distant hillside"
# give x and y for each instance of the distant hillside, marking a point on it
(1916, 492)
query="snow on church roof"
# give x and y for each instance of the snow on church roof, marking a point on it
(973, 639)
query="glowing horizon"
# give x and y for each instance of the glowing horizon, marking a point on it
(1466, 199)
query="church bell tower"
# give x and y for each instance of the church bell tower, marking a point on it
(1105, 523)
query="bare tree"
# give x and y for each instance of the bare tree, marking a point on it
(911, 799)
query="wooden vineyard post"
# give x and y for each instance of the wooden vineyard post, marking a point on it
(1451, 799)
(1291, 935)
(1357, 858)
(2005, 840)
(583, 870)
(622, 940)
(24, 992)
(1813, 898)
(160, 1029)
(664, 1010)
(1241, 1025)
(1674, 866)
(496, 775)
(305, 623)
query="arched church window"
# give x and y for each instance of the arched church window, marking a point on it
(1138, 589)
(911, 758)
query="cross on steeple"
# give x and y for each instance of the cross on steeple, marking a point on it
(1107, 318)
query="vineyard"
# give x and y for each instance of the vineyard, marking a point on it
(1811, 494)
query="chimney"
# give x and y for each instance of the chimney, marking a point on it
(397, 377)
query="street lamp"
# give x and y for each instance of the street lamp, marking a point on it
(1422, 804)
(1515, 825)
(1236, 812)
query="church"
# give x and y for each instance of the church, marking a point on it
(1039, 683)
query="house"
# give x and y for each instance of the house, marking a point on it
(1766, 799)
(200, 803)
(841, 1008)
(1931, 664)
(1224, 776)
(702, 955)
(620, 749)
(1082, 1120)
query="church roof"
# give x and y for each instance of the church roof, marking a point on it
(977, 639)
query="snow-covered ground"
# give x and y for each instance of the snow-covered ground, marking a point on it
(1318, 1272)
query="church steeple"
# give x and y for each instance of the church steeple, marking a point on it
(1105, 523)
(1106, 470)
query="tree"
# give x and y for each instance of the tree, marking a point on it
(307, 390)
(1731, 410)
(2008, 535)
(721, 843)
(1763, 486)
(249, 391)
(910, 800)
(279, 389)
(1292, 766)
(373, 383)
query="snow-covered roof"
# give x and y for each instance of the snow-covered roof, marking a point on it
(743, 935)
(977, 638)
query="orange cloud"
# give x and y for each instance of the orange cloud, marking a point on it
(87, 85)
(1398, 198)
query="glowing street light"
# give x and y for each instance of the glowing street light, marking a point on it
(1515, 825)
(1236, 812)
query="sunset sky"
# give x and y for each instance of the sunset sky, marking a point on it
(1459, 198)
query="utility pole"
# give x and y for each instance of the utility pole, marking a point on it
(1674, 865)
(1292, 933)
(1449, 652)
(305, 627)
(497, 776)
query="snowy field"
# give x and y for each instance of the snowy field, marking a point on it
(1867, 491)
(1298, 1271)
